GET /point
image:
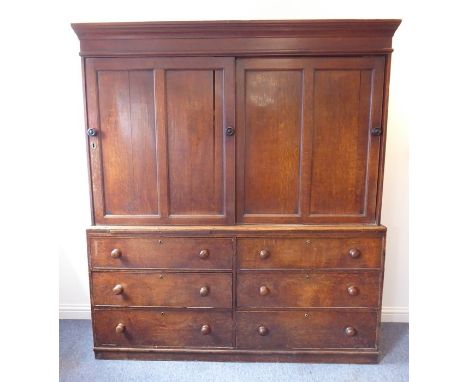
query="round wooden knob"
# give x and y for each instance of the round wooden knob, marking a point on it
(120, 328)
(204, 253)
(264, 290)
(352, 290)
(262, 330)
(264, 254)
(350, 331)
(354, 253)
(204, 291)
(205, 329)
(118, 289)
(116, 253)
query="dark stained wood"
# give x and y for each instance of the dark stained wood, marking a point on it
(127, 140)
(236, 170)
(162, 252)
(195, 143)
(240, 355)
(167, 289)
(165, 328)
(309, 252)
(160, 154)
(301, 289)
(273, 124)
(237, 38)
(305, 329)
(305, 151)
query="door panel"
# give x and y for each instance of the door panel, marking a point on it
(126, 106)
(195, 140)
(305, 150)
(161, 155)
(273, 108)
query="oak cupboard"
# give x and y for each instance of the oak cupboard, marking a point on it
(236, 173)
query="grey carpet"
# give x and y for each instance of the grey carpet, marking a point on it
(77, 363)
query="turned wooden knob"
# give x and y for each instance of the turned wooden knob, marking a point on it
(262, 330)
(352, 290)
(204, 291)
(116, 253)
(264, 290)
(354, 253)
(264, 254)
(120, 328)
(350, 331)
(118, 289)
(205, 329)
(204, 253)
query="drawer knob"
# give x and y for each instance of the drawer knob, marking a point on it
(205, 329)
(264, 254)
(353, 291)
(204, 291)
(204, 253)
(120, 328)
(262, 330)
(118, 289)
(354, 253)
(350, 331)
(116, 253)
(264, 290)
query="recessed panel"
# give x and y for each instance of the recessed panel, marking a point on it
(273, 122)
(195, 142)
(128, 144)
(340, 140)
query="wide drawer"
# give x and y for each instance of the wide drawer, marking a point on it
(306, 329)
(162, 289)
(163, 252)
(312, 252)
(161, 328)
(322, 289)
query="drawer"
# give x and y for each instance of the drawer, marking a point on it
(158, 328)
(163, 253)
(324, 289)
(306, 329)
(162, 289)
(300, 253)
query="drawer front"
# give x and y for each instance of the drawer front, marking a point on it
(129, 328)
(300, 253)
(163, 289)
(306, 329)
(326, 289)
(164, 253)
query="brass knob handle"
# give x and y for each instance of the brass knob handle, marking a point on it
(204, 253)
(120, 328)
(354, 253)
(204, 291)
(264, 290)
(116, 253)
(350, 331)
(262, 330)
(264, 254)
(205, 329)
(353, 291)
(118, 289)
(91, 132)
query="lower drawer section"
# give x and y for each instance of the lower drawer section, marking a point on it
(162, 328)
(306, 329)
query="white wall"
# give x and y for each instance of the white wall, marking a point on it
(57, 59)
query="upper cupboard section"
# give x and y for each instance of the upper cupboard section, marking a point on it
(306, 147)
(308, 141)
(160, 153)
